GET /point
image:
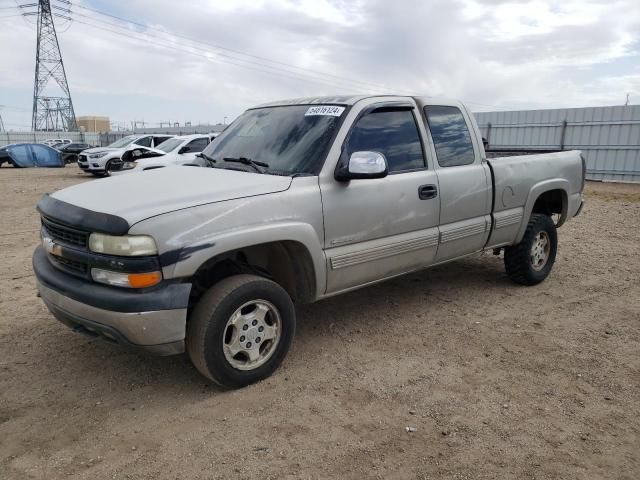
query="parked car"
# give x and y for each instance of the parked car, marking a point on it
(26, 155)
(70, 151)
(131, 158)
(181, 150)
(100, 160)
(308, 199)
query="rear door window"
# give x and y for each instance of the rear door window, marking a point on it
(451, 135)
(144, 142)
(197, 145)
(158, 140)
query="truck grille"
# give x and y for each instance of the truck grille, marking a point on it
(67, 264)
(65, 234)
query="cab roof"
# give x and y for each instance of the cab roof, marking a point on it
(353, 99)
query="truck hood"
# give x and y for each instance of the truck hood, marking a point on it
(139, 196)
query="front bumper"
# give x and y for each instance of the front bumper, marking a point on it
(152, 320)
(90, 165)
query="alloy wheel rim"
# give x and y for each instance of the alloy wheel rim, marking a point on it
(539, 254)
(252, 334)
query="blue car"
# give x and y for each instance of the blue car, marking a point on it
(25, 155)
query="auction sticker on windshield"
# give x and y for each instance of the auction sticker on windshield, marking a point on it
(330, 110)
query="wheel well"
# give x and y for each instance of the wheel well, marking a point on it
(288, 263)
(550, 202)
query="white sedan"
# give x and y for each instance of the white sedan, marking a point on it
(181, 150)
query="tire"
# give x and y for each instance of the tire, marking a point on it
(523, 264)
(211, 332)
(107, 166)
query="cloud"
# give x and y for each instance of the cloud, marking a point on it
(494, 54)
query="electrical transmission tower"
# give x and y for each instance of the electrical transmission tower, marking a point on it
(51, 112)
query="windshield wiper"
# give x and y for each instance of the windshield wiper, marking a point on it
(210, 160)
(259, 167)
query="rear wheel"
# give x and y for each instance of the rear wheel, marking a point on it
(241, 330)
(531, 261)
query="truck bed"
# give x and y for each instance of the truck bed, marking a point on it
(518, 182)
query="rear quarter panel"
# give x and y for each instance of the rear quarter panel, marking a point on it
(519, 181)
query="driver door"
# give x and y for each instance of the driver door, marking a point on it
(378, 228)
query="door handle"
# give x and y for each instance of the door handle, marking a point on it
(426, 192)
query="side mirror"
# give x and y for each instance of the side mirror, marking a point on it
(362, 165)
(184, 149)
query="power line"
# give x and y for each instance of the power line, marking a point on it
(291, 71)
(301, 70)
(307, 73)
(219, 57)
(199, 52)
(186, 49)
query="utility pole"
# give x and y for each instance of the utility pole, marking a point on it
(2, 129)
(51, 112)
(627, 101)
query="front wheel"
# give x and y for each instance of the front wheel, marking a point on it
(531, 261)
(107, 169)
(241, 330)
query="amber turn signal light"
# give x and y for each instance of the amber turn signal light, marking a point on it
(144, 280)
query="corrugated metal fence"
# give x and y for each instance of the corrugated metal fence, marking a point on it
(609, 137)
(7, 138)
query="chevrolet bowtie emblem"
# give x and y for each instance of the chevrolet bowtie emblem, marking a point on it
(51, 247)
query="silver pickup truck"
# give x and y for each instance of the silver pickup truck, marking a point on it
(305, 199)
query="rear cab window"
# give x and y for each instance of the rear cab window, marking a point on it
(451, 135)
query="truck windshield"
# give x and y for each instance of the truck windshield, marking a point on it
(289, 139)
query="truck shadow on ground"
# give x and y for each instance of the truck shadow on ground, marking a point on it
(353, 311)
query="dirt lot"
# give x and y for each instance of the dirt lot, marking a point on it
(500, 381)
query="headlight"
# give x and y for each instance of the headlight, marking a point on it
(125, 245)
(97, 155)
(128, 165)
(129, 280)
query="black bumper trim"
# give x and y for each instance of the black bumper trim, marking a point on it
(168, 295)
(81, 218)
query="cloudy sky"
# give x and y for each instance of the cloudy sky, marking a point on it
(204, 60)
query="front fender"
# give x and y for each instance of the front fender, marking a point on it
(186, 261)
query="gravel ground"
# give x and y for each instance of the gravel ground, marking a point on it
(499, 381)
